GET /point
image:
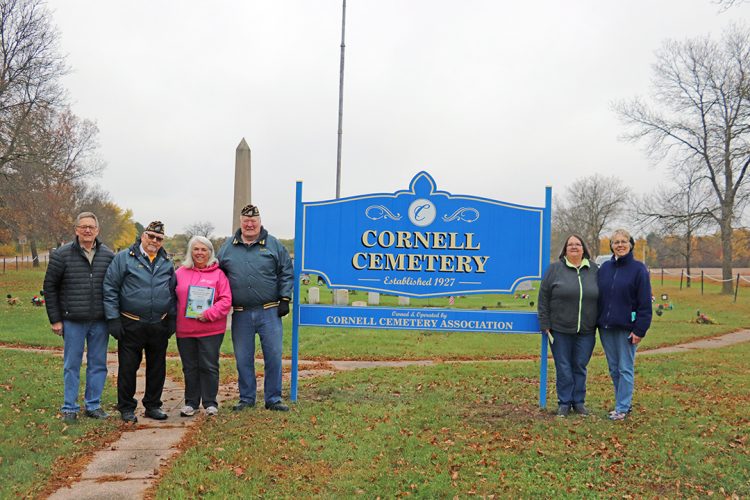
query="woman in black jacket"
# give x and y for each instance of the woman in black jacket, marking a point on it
(567, 311)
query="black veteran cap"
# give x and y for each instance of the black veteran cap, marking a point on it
(156, 227)
(250, 211)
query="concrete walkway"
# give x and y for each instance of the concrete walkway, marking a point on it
(131, 465)
(712, 343)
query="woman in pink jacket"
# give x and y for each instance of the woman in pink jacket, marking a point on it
(203, 303)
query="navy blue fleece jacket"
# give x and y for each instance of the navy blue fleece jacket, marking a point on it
(624, 295)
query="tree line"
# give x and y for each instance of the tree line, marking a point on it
(47, 153)
(695, 123)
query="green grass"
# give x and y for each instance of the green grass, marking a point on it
(28, 325)
(467, 429)
(474, 429)
(35, 445)
(24, 324)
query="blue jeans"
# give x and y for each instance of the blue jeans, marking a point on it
(267, 324)
(621, 361)
(572, 353)
(75, 335)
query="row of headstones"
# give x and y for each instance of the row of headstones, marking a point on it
(341, 298)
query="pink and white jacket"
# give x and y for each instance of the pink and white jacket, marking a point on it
(216, 315)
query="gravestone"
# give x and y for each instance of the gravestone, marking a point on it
(313, 295)
(341, 297)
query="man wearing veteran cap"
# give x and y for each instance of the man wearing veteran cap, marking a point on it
(140, 307)
(261, 278)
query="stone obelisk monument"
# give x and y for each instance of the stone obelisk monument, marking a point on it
(241, 181)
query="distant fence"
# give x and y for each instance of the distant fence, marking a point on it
(19, 263)
(737, 281)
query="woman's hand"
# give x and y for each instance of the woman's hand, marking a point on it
(634, 339)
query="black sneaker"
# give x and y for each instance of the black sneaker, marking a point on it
(277, 406)
(563, 410)
(243, 405)
(581, 409)
(69, 417)
(98, 414)
(156, 414)
(128, 416)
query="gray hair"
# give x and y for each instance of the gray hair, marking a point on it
(87, 215)
(621, 232)
(188, 262)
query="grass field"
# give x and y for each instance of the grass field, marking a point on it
(474, 429)
(36, 447)
(453, 429)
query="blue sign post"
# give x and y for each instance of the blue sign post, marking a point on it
(420, 242)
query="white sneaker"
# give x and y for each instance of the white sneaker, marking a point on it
(187, 411)
(212, 411)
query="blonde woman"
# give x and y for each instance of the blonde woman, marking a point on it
(204, 299)
(624, 316)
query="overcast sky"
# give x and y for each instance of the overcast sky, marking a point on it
(492, 98)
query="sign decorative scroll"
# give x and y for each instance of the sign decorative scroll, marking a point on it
(420, 242)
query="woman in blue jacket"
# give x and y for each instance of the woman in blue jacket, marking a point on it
(624, 316)
(567, 311)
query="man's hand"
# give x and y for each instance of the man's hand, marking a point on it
(283, 308)
(57, 328)
(114, 328)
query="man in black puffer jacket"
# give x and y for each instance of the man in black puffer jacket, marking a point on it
(75, 307)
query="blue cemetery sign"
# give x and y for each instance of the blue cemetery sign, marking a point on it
(420, 242)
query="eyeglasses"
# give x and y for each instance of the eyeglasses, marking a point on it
(574, 245)
(620, 242)
(155, 238)
(86, 228)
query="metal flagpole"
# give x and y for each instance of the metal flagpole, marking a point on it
(341, 101)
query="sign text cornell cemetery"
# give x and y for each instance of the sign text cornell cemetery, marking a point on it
(419, 242)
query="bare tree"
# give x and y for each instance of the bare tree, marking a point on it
(680, 210)
(40, 188)
(30, 71)
(725, 5)
(700, 114)
(590, 206)
(201, 228)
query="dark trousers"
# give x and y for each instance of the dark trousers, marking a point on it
(138, 338)
(200, 365)
(572, 353)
